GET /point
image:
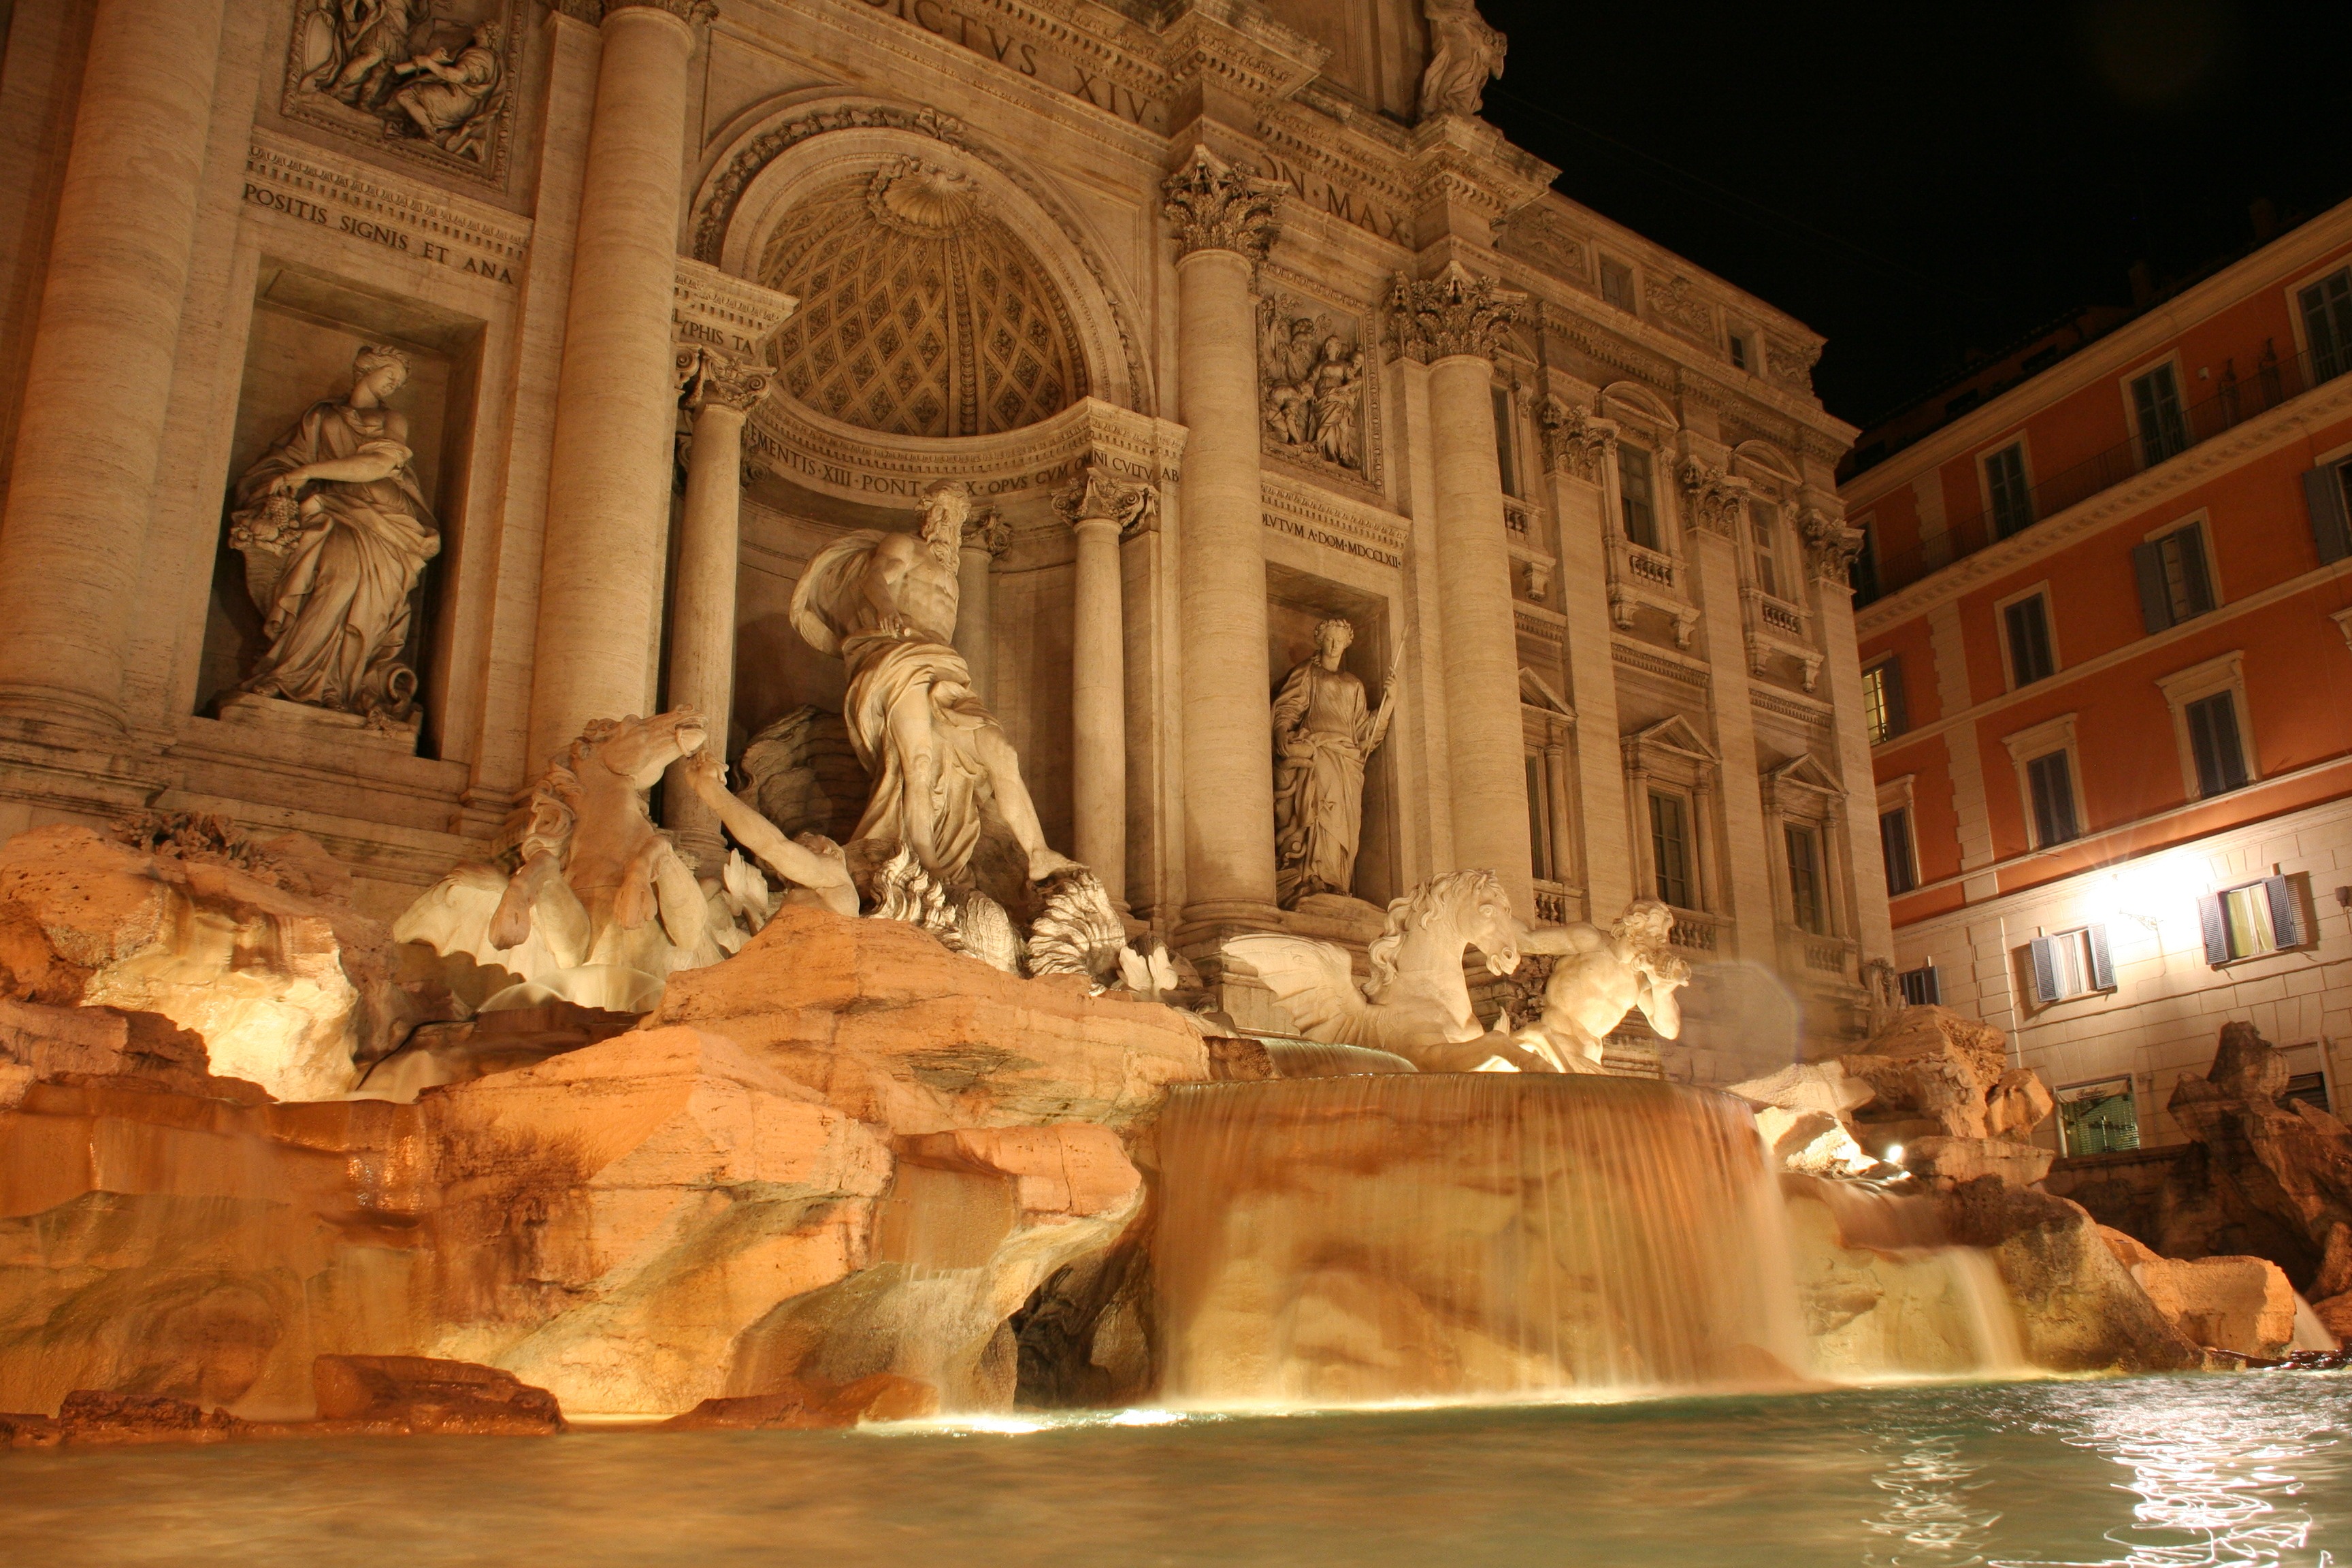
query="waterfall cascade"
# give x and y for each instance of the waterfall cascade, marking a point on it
(1494, 1236)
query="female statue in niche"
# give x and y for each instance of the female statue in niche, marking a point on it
(335, 533)
(1323, 732)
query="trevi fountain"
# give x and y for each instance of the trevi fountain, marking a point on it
(857, 778)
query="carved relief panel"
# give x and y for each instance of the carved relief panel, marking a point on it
(433, 80)
(1316, 398)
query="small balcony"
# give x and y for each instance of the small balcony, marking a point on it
(1640, 578)
(1776, 629)
(1698, 932)
(2241, 392)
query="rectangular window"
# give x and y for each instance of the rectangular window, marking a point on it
(1617, 284)
(1808, 904)
(1763, 526)
(2311, 1087)
(1882, 700)
(1506, 448)
(2327, 323)
(1894, 845)
(1538, 820)
(2163, 432)
(2012, 503)
(2259, 918)
(1738, 351)
(2327, 495)
(1635, 498)
(2028, 623)
(1921, 987)
(2051, 780)
(1670, 846)
(2213, 740)
(2176, 584)
(2072, 964)
(2098, 1118)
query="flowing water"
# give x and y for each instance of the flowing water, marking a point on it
(1367, 1238)
(2164, 1472)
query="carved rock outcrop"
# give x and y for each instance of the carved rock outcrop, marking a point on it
(1931, 1072)
(253, 947)
(2238, 1304)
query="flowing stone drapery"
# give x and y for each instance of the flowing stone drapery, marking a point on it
(720, 392)
(1101, 509)
(616, 401)
(1225, 218)
(98, 383)
(1452, 322)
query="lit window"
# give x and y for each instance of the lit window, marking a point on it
(1763, 527)
(2049, 779)
(1670, 846)
(2213, 742)
(2248, 922)
(1882, 700)
(2028, 623)
(2072, 964)
(2174, 582)
(1617, 284)
(2012, 503)
(2163, 431)
(1895, 843)
(1635, 498)
(1807, 905)
(2098, 1118)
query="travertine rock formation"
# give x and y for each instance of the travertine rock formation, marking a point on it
(2241, 1304)
(1931, 1072)
(253, 947)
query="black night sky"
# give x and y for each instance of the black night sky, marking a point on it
(1917, 181)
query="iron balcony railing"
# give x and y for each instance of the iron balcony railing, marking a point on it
(2238, 397)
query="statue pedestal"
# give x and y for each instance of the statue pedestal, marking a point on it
(326, 725)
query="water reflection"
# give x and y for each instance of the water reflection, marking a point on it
(1930, 1511)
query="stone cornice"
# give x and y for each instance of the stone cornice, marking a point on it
(312, 172)
(2327, 403)
(1477, 165)
(1248, 53)
(720, 310)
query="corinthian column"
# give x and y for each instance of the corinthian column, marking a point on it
(617, 402)
(1102, 510)
(1452, 322)
(1224, 218)
(702, 600)
(98, 383)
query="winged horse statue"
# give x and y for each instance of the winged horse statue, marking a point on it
(1417, 1003)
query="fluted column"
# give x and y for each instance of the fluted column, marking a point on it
(720, 392)
(617, 402)
(1452, 322)
(98, 382)
(1101, 509)
(1224, 217)
(985, 536)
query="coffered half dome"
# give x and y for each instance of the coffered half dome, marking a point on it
(922, 313)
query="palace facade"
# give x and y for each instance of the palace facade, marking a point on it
(389, 390)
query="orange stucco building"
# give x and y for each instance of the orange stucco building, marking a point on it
(2105, 624)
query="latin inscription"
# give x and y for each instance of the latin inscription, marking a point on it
(938, 17)
(1385, 222)
(383, 236)
(1298, 530)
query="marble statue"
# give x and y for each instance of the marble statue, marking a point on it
(335, 533)
(351, 45)
(811, 861)
(886, 603)
(452, 100)
(1464, 53)
(1599, 976)
(601, 908)
(1323, 733)
(1416, 1003)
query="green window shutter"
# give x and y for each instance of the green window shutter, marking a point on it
(2287, 912)
(2213, 924)
(1899, 716)
(1895, 847)
(2155, 604)
(2041, 959)
(2103, 964)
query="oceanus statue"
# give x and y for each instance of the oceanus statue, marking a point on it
(1598, 978)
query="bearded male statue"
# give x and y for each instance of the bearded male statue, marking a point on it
(886, 604)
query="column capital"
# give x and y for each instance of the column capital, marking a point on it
(1099, 494)
(1454, 313)
(1713, 496)
(1831, 544)
(986, 530)
(1217, 205)
(708, 379)
(1575, 442)
(687, 11)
